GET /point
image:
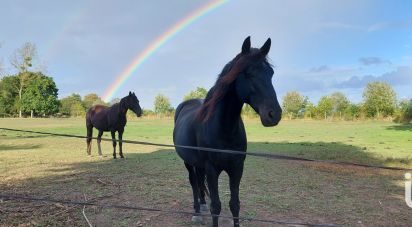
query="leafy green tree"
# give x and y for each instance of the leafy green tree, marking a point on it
(310, 109)
(293, 103)
(352, 111)
(114, 101)
(91, 100)
(198, 93)
(339, 102)
(408, 112)
(67, 103)
(379, 99)
(403, 112)
(325, 106)
(147, 112)
(8, 94)
(162, 105)
(40, 95)
(77, 110)
(249, 111)
(22, 60)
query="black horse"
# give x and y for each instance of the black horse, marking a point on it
(111, 119)
(216, 123)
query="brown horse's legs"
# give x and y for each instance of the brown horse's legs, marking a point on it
(114, 143)
(120, 143)
(89, 139)
(99, 140)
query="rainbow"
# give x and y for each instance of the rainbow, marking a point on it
(157, 44)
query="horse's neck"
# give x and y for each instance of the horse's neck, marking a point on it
(122, 109)
(227, 112)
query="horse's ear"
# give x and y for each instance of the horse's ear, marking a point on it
(246, 45)
(130, 93)
(266, 47)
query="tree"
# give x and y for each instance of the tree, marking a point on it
(198, 93)
(408, 112)
(293, 103)
(325, 106)
(8, 94)
(91, 100)
(22, 60)
(40, 95)
(67, 103)
(339, 102)
(114, 101)
(248, 111)
(403, 112)
(162, 105)
(353, 111)
(310, 109)
(379, 99)
(77, 110)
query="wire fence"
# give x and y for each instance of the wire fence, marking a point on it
(226, 151)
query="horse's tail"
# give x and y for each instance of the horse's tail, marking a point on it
(201, 176)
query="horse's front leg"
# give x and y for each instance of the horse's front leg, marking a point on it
(212, 177)
(120, 143)
(114, 142)
(235, 176)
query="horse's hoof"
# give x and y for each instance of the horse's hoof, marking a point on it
(197, 219)
(204, 207)
(114, 157)
(121, 157)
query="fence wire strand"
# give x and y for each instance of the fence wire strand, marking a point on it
(250, 153)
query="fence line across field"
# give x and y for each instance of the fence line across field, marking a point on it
(250, 153)
(125, 207)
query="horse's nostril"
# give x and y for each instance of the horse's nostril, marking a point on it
(271, 114)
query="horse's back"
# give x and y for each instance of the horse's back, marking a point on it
(184, 132)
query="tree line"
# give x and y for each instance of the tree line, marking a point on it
(379, 101)
(29, 92)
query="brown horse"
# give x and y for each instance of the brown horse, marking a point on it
(111, 119)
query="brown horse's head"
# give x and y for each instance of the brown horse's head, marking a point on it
(132, 103)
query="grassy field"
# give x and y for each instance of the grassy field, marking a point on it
(154, 177)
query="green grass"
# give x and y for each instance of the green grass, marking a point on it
(154, 177)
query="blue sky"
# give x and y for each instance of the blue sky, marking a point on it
(317, 46)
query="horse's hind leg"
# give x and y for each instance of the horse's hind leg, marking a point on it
(195, 189)
(99, 140)
(200, 173)
(89, 139)
(114, 143)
